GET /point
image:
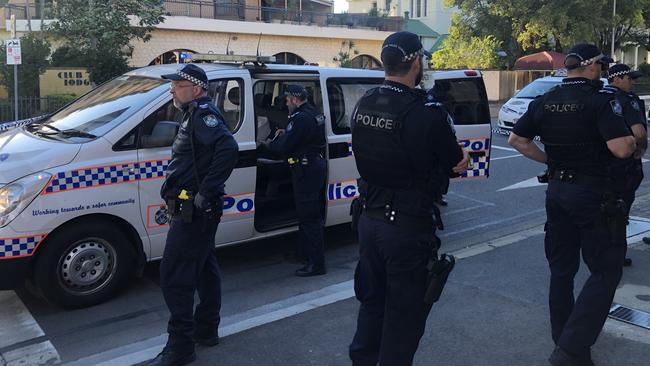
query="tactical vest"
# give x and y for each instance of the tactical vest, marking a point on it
(568, 131)
(383, 163)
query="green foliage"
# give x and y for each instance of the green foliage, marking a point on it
(528, 26)
(462, 50)
(98, 33)
(344, 57)
(35, 51)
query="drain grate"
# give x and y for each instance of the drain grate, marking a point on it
(632, 316)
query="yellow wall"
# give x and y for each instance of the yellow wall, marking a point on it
(64, 80)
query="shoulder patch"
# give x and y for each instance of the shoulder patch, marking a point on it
(211, 120)
(635, 105)
(616, 107)
(290, 126)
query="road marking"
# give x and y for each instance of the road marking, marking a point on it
(503, 148)
(506, 157)
(135, 353)
(21, 336)
(532, 182)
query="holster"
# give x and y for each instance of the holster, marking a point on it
(356, 208)
(614, 212)
(187, 208)
(439, 269)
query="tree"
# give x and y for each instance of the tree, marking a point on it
(99, 32)
(344, 56)
(461, 50)
(35, 51)
(528, 26)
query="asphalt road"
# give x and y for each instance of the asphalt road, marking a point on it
(276, 318)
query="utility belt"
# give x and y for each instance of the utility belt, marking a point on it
(183, 206)
(572, 176)
(304, 159)
(389, 215)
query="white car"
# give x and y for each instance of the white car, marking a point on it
(514, 108)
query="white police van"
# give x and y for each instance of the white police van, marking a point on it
(80, 209)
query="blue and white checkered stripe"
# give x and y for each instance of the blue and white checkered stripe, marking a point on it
(479, 167)
(19, 247)
(112, 174)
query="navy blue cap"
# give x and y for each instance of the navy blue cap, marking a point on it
(402, 47)
(190, 72)
(622, 70)
(584, 54)
(295, 90)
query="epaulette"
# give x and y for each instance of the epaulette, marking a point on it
(294, 114)
(433, 104)
(203, 106)
(606, 91)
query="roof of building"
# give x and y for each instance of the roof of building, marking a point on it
(545, 60)
(436, 46)
(419, 28)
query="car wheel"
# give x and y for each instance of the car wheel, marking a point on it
(83, 265)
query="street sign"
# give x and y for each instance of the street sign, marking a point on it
(13, 52)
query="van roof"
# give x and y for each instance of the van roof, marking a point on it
(158, 70)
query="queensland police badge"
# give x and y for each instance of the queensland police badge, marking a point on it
(616, 107)
(210, 120)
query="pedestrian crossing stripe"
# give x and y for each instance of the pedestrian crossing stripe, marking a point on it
(21, 246)
(106, 175)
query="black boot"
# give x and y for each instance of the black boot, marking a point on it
(627, 262)
(311, 270)
(170, 357)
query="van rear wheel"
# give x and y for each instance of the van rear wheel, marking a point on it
(83, 264)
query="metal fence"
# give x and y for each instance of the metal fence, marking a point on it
(29, 107)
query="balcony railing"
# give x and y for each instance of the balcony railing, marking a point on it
(237, 10)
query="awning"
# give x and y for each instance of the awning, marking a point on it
(545, 60)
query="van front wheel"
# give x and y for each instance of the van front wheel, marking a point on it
(83, 265)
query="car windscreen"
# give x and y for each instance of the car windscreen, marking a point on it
(465, 100)
(105, 107)
(536, 88)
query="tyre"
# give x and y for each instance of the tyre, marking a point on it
(83, 264)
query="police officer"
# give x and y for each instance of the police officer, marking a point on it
(621, 82)
(399, 143)
(204, 154)
(302, 144)
(583, 132)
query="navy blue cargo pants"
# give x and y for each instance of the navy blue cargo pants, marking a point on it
(308, 188)
(189, 264)
(390, 282)
(575, 224)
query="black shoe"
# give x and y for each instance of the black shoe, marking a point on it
(441, 202)
(207, 341)
(627, 262)
(560, 358)
(646, 239)
(172, 358)
(310, 270)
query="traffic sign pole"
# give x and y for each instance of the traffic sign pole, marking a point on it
(16, 92)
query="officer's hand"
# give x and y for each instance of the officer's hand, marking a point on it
(462, 165)
(202, 203)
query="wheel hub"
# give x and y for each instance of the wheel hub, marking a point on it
(87, 266)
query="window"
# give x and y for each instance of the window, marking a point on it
(271, 111)
(465, 99)
(289, 58)
(365, 62)
(343, 96)
(418, 8)
(157, 130)
(425, 7)
(228, 97)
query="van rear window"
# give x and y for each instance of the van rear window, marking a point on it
(343, 96)
(465, 100)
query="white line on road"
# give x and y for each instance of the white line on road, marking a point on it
(503, 148)
(17, 325)
(506, 157)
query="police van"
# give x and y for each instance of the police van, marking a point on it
(80, 209)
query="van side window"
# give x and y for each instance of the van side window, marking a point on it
(157, 130)
(343, 96)
(227, 96)
(465, 99)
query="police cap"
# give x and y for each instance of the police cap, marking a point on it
(295, 90)
(584, 54)
(190, 72)
(622, 70)
(402, 47)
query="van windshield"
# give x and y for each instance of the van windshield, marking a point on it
(465, 100)
(103, 108)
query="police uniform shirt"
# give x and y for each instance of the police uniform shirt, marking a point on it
(216, 152)
(632, 112)
(302, 134)
(427, 135)
(604, 110)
